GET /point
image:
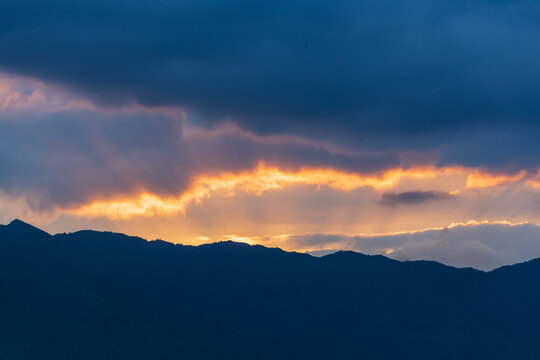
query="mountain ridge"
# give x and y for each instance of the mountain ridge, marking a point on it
(89, 295)
(22, 226)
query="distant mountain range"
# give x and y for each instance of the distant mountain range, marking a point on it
(100, 295)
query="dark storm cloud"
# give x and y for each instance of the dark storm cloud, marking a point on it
(402, 74)
(413, 197)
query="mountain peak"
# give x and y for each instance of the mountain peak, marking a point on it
(18, 222)
(19, 227)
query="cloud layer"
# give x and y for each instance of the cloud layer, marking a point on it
(455, 77)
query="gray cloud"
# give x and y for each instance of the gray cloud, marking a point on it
(412, 197)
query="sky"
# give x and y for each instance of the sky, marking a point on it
(408, 129)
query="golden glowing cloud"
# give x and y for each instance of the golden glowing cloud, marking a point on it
(480, 179)
(255, 182)
(265, 178)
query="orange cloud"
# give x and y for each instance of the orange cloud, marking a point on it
(480, 179)
(534, 182)
(262, 178)
(265, 178)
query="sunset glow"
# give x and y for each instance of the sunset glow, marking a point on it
(263, 147)
(255, 183)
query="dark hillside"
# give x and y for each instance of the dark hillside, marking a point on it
(95, 295)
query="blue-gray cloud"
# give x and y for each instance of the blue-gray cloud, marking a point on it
(385, 74)
(413, 197)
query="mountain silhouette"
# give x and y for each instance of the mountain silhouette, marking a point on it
(102, 295)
